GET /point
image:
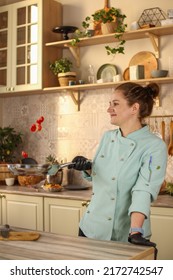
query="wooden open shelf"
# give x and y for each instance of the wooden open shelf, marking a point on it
(110, 38)
(75, 91)
(153, 34)
(109, 85)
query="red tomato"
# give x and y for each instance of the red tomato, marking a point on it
(33, 127)
(40, 120)
(39, 127)
(24, 154)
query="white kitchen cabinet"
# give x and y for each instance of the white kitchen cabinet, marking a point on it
(62, 216)
(162, 231)
(25, 26)
(22, 211)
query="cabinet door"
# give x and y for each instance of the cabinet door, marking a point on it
(23, 211)
(21, 46)
(27, 45)
(162, 231)
(62, 216)
(25, 27)
(5, 42)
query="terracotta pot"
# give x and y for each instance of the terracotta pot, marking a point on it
(108, 27)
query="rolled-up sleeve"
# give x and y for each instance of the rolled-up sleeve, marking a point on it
(150, 179)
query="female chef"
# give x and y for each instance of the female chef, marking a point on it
(127, 171)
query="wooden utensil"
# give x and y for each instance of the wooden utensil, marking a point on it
(170, 146)
(17, 235)
(163, 129)
(126, 75)
(97, 24)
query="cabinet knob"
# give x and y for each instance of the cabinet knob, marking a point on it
(85, 203)
(2, 196)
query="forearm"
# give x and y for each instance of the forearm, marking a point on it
(137, 220)
(135, 237)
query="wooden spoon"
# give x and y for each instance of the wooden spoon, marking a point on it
(170, 147)
(163, 130)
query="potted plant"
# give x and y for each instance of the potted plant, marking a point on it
(58, 177)
(110, 19)
(9, 142)
(62, 68)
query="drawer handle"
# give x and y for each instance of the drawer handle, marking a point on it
(2, 196)
(85, 203)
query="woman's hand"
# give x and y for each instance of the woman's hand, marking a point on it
(81, 163)
(139, 240)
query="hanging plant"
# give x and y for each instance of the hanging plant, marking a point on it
(111, 16)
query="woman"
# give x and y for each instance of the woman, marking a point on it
(127, 170)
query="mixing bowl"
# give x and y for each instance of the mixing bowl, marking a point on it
(159, 73)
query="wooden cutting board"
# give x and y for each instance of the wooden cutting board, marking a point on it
(148, 59)
(18, 236)
(170, 146)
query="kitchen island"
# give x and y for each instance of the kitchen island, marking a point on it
(57, 247)
(39, 210)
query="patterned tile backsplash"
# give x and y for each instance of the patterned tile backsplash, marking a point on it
(66, 132)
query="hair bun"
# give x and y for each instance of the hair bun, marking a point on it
(153, 90)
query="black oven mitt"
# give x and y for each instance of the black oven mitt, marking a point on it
(137, 239)
(81, 163)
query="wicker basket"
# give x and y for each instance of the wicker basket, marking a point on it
(5, 173)
(64, 78)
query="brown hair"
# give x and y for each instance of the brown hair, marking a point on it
(144, 96)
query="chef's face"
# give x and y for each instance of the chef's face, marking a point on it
(119, 110)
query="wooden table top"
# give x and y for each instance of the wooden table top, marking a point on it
(56, 247)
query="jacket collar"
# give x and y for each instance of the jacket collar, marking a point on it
(133, 135)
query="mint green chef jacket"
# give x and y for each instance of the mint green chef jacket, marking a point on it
(127, 173)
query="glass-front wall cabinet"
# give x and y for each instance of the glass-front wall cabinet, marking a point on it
(20, 46)
(3, 47)
(27, 45)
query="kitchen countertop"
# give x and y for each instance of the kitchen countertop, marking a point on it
(56, 247)
(163, 200)
(66, 194)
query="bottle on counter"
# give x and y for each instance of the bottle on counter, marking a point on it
(91, 74)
